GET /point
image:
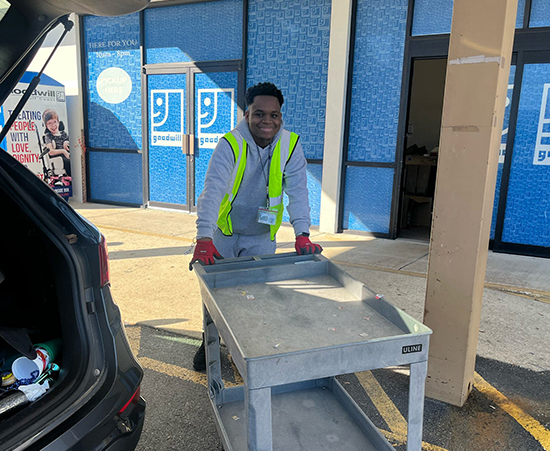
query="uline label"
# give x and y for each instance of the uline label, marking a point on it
(411, 348)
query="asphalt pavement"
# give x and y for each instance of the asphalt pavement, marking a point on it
(508, 409)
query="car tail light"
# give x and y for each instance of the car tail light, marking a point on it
(104, 262)
(133, 400)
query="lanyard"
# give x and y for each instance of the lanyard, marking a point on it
(263, 171)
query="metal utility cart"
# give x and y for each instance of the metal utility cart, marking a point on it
(292, 323)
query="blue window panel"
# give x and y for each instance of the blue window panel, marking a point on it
(435, 16)
(376, 85)
(288, 45)
(215, 115)
(540, 13)
(113, 64)
(198, 32)
(432, 17)
(167, 118)
(527, 217)
(367, 201)
(116, 177)
(503, 141)
(314, 182)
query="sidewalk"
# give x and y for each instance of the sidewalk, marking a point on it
(150, 251)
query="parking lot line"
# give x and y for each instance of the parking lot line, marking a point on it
(389, 412)
(537, 430)
(393, 418)
(400, 439)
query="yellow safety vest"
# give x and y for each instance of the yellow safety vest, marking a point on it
(281, 154)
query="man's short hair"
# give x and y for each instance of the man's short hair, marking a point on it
(263, 89)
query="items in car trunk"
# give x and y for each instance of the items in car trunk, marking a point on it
(24, 368)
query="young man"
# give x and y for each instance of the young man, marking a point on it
(241, 206)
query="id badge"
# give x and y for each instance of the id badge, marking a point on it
(267, 216)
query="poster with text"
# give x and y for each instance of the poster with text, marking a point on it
(39, 136)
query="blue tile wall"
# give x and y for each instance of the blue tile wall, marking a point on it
(167, 117)
(367, 200)
(432, 17)
(215, 115)
(376, 85)
(540, 13)
(435, 16)
(113, 42)
(314, 183)
(116, 177)
(288, 43)
(503, 142)
(198, 32)
(526, 219)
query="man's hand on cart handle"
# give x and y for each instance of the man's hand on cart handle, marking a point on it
(304, 246)
(205, 252)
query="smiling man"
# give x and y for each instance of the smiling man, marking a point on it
(241, 207)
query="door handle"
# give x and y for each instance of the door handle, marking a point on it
(188, 144)
(191, 144)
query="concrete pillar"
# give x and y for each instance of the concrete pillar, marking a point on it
(480, 50)
(338, 62)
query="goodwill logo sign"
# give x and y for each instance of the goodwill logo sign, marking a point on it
(542, 144)
(167, 127)
(216, 115)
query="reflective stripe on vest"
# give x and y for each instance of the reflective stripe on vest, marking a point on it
(281, 154)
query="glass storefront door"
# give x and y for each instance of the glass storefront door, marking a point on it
(168, 164)
(188, 113)
(215, 115)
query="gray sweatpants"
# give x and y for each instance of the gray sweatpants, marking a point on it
(238, 245)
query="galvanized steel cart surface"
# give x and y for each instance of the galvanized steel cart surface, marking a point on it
(291, 323)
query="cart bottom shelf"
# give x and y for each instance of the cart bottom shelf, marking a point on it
(313, 419)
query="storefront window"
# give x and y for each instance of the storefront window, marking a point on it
(288, 44)
(435, 16)
(526, 218)
(206, 31)
(376, 85)
(374, 113)
(114, 81)
(368, 199)
(540, 13)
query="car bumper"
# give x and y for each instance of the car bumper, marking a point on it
(128, 440)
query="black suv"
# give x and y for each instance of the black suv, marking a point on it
(54, 283)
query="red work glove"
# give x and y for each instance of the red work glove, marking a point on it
(304, 246)
(205, 251)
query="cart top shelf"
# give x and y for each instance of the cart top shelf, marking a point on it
(288, 304)
(298, 314)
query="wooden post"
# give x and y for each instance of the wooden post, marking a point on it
(480, 51)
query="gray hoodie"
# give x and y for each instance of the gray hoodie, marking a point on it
(253, 190)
